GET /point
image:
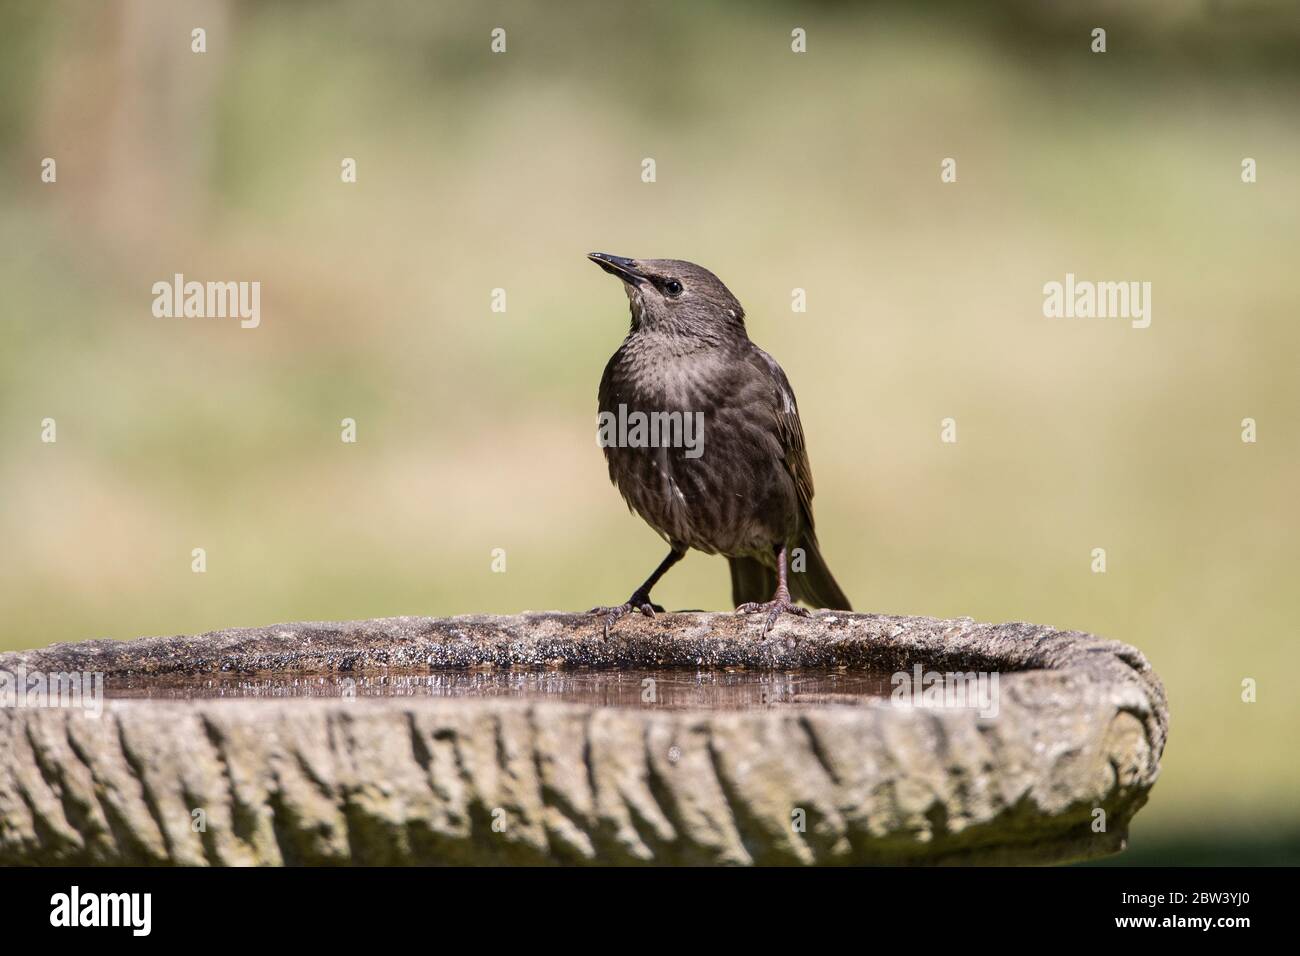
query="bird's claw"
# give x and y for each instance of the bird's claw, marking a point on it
(774, 609)
(635, 603)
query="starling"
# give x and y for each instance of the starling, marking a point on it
(702, 436)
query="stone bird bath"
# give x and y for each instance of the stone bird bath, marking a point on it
(531, 739)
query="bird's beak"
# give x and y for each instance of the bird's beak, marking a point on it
(625, 269)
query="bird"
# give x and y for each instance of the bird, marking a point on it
(701, 432)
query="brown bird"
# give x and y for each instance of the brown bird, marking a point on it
(702, 436)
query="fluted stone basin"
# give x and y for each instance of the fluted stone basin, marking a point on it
(533, 739)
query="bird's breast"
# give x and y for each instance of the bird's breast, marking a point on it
(692, 449)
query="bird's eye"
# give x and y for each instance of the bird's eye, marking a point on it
(673, 287)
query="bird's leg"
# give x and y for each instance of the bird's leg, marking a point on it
(640, 599)
(780, 602)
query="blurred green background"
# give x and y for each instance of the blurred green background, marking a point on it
(776, 170)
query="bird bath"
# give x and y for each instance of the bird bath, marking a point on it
(841, 739)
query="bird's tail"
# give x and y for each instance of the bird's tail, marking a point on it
(751, 580)
(815, 585)
(810, 580)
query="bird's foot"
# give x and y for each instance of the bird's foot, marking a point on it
(774, 609)
(637, 602)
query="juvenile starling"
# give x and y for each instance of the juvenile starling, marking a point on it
(702, 436)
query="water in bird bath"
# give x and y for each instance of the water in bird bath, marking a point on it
(634, 688)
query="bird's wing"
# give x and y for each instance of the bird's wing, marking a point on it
(789, 431)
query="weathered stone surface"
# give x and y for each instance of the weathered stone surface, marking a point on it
(1081, 726)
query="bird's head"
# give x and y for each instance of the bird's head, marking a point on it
(675, 297)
